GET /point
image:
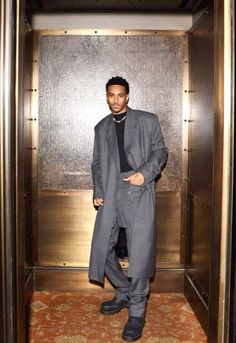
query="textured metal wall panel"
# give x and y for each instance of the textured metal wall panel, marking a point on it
(202, 110)
(73, 71)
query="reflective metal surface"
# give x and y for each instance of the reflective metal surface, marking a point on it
(23, 174)
(225, 282)
(200, 151)
(25, 156)
(199, 210)
(201, 125)
(73, 71)
(74, 279)
(199, 244)
(7, 172)
(213, 329)
(185, 153)
(65, 226)
(198, 306)
(168, 229)
(66, 221)
(34, 144)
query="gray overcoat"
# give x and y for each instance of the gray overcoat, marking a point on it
(145, 150)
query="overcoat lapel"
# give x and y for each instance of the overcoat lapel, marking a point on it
(130, 130)
(112, 141)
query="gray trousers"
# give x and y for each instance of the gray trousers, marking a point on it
(134, 289)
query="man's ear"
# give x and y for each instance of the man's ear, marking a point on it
(127, 100)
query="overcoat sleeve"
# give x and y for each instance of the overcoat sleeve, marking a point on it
(96, 170)
(158, 155)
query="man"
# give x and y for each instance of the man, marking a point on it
(129, 153)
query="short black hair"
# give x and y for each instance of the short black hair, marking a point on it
(118, 80)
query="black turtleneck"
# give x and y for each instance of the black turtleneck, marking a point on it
(120, 129)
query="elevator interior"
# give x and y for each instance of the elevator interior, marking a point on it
(53, 190)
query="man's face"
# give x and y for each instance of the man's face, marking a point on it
(117, 99)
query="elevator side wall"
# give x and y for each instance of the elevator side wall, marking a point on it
(201, 130)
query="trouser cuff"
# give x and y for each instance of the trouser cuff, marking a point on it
(138, 310)
(122, 293)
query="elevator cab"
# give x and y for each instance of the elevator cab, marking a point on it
(55, 60)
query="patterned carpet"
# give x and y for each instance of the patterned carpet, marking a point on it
(74, 317)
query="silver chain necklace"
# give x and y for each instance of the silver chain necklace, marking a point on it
(119, 121)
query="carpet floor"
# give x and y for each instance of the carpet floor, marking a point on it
(74, 317)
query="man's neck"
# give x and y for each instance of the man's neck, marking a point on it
(123, 112)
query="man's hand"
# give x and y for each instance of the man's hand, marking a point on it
(135, 179)
(98, 202)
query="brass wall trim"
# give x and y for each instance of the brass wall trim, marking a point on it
(227, 177)
(213, 325)
(7, 171)
(185, 130)
(23, 152)
(84, 265)
(222, 198)
(34, 121)
(110, 32)
(53, 268)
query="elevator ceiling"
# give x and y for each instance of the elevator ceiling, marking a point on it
(114, 5)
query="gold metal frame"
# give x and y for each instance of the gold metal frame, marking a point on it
(223, 158)
(227, 177)
(110, 32)
(223, 153)
(185, 150)
(34, 118)
(7, 171)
